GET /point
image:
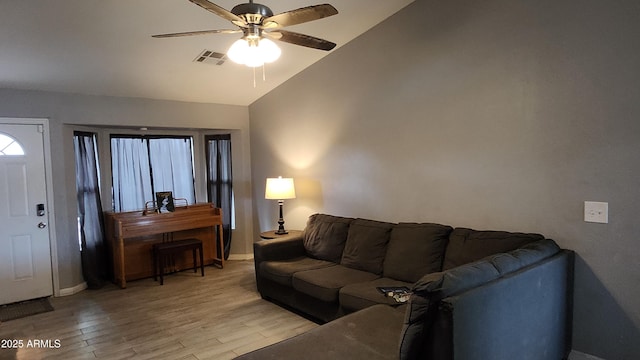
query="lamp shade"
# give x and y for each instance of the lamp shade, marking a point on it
(280, 188)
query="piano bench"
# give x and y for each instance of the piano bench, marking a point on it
(162, 251)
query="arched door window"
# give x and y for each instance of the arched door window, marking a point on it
(9, 146)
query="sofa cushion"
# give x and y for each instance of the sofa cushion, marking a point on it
(358, 296)
(431, 288)
(415, 250)
(366, 245)
(325, 235)
(324, 284)
(466, 245)
(282, 271)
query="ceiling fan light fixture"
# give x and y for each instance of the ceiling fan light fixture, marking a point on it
(253, 52)
(269, 50)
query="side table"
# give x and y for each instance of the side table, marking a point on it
(272, 234)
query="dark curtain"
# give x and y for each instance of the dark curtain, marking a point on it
(220, 182)
(90, 223)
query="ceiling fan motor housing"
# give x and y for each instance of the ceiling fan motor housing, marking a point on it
(252, 13)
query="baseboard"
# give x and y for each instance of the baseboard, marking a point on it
(73, 290)
(577, 355)
(240, 257)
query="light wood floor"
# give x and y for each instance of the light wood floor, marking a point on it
(218, 316)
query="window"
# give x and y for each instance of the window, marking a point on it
(144, 165)
(9, 146)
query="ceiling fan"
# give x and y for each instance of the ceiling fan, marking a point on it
(258, 23)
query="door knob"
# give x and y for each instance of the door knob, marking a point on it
(42, 225)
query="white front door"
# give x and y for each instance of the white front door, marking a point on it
(25, 256)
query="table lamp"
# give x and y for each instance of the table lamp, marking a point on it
(280, 189)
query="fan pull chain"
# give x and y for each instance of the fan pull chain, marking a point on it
(264, 75)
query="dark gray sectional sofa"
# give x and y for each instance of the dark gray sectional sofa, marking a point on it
(475, 294)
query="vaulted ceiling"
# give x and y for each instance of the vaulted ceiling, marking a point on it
(105, 47)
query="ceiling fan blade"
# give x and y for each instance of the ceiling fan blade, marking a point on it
(220, 11)
(299, 16)
(201, 32)
(301, 39)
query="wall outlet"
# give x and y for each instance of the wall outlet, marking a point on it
(597, 212)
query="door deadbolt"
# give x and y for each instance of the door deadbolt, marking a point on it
(40, 209)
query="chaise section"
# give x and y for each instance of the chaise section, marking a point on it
(370, 334)
(535, 301)
(425, 336)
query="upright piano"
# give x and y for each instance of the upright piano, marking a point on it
(131, 235)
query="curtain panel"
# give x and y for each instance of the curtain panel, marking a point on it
(90, 221)
(142, 166)
(130, 171)
(172, 164)
(220, 182)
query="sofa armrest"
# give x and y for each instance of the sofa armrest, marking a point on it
(526, 314)
(278, 249)
(424, 313)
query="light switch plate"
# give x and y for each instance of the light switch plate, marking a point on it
(597, 212)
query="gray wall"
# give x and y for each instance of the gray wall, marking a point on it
(68, 112)
(487, 114)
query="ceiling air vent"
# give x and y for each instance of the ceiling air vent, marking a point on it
(211, 57)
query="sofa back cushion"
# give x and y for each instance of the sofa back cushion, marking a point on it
(366, 245)
(466, 245)
(325, 236)
(415, 250)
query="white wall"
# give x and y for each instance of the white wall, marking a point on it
(69, 112)
(494, 114)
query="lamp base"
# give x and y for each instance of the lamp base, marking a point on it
(281, 230)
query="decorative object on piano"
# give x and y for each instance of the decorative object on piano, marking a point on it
(280, 189)
(164, 202)
(150, 206)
